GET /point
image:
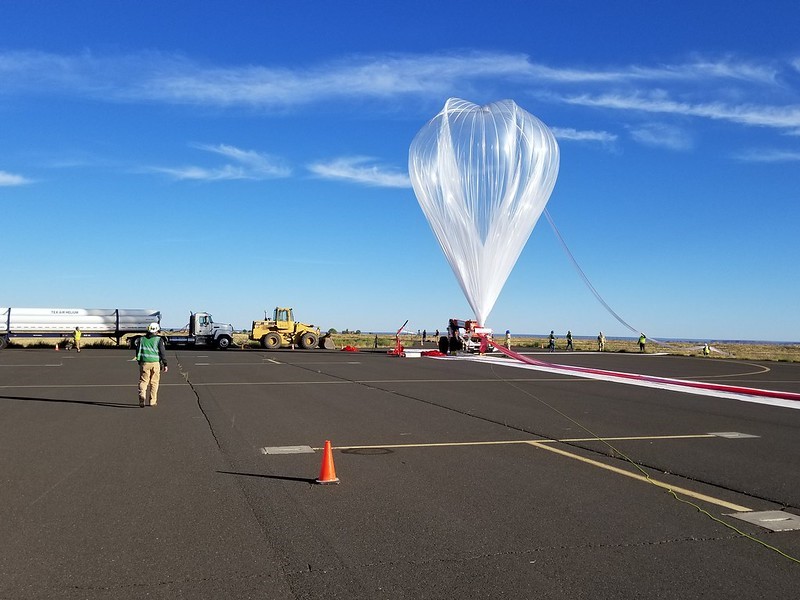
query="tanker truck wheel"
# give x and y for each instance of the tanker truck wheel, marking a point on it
(223, 343)
(308, 341)
(271, 341)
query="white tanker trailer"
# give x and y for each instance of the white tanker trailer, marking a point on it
(112, 323)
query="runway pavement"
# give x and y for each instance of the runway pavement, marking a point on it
(460, 478)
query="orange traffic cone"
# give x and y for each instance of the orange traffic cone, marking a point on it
(56, 347)
(327, 474)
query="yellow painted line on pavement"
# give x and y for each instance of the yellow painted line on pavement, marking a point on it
(82, 385)
(35, 366)
(636, 476)
(374, 381)
(504, 442)
(547, 445)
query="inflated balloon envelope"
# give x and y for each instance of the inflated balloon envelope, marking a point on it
(483, 175)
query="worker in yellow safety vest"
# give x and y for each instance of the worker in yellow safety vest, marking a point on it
(152, 357)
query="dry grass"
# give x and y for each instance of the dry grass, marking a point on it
(739, 350)
(721, 350)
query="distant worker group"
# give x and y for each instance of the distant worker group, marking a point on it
(601, 342)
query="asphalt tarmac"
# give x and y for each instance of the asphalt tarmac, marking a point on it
(458, 479)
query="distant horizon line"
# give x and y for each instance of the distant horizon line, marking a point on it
(430, 335)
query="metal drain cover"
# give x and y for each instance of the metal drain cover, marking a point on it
(732, 434)
(775, 520)
(288, 450)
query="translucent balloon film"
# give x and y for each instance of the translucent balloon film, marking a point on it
(483, 175)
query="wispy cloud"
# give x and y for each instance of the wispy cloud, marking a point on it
(661, 135)
(226, 172)
(779, 117)
(11, 179)
(250, 165)
(394, 75)
(360, 169)
(567, 133)
(697, 70)
(769, 156)
(175, 79)
(255, 162)
(723, 88)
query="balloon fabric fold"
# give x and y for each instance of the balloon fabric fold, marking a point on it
(482, 176)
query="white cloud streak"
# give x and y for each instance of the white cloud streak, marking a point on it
(10, 179)
(251, 165)
(660, 135)
(192, 173)
(360, 169)
(175, 79)
(256, 162)
(769, 156)
(728, 88)
(388, 76)
(779, 117)
(567, 133)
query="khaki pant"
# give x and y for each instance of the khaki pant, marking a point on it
(149, 376)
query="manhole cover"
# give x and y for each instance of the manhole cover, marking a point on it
(288, 450)
(775, 520)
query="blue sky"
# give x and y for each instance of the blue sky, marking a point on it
(232, 157)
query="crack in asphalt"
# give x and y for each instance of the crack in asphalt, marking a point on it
(512, 553)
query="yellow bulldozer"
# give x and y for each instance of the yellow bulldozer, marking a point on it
(283, 330)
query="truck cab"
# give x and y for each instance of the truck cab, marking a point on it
(203, 331)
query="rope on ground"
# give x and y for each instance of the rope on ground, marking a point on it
(644, 473)
(589, 283)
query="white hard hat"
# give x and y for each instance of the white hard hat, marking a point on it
(153, 328)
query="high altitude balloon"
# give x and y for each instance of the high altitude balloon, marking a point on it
(482, 175)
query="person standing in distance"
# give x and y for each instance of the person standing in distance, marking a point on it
(76, 337)
(152, 356)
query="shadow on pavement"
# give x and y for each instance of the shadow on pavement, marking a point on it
(281, 477)
(89, 402)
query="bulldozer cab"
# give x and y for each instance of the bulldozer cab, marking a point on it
(283, 330)
(284, 320)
